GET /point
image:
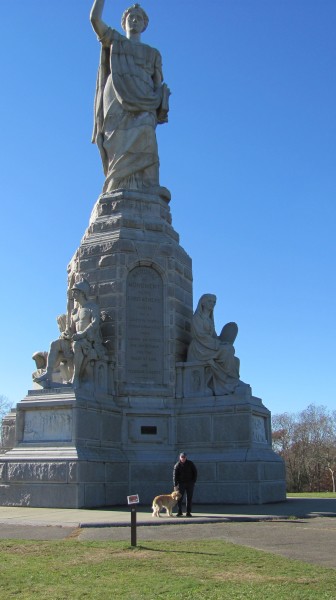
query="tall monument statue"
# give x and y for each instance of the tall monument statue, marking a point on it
(134, 375)
(131, 99)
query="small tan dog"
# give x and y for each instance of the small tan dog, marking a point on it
(167, 501)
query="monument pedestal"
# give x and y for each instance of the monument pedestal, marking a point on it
(76, 450)
(67, 445)
(120, 432)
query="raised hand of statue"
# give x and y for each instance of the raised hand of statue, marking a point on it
(95, 17)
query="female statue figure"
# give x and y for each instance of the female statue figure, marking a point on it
(217, 351)
(130, 101)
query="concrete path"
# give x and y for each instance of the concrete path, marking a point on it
(120, 516)
(303, 529)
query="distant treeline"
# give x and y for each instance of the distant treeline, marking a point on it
(307, 442)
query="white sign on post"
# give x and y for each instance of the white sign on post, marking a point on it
(133, 499)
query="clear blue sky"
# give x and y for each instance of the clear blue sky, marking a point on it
(249, 155)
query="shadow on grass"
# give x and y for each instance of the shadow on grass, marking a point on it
(169, 551)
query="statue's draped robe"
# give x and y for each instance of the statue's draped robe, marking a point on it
(127, 110)
(207, 347)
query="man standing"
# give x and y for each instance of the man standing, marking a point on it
(185, 476)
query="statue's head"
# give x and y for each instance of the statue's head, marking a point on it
(206, 302)
(135, 9)
(40, 359)
(82, 286)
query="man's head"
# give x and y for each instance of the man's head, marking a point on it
(183, 457)
(134, 19)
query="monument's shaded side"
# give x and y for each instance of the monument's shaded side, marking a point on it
(135, 376)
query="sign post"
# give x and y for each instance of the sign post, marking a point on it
(133, 501)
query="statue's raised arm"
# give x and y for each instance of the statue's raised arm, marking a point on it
(96, 18)
(131, 100)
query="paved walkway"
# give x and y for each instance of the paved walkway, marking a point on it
(120, 516)
(303, 529)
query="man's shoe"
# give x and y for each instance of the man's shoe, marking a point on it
(188, 515)
(179, 514)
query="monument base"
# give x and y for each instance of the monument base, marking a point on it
(80, 449)
(66, 449)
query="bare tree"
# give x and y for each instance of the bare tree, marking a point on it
(4, 406)
(284, 427)
(331, 467)
(307, 442)
(4, 409)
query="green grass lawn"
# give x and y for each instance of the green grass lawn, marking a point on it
(198, 570)
(311, 495)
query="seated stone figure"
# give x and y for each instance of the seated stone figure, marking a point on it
(78, 343)
(217, 352)
(60, 356)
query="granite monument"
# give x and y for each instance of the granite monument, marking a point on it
(135, 375)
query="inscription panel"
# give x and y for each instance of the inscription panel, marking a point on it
(258, 430)
(144, 331)
(47, 425)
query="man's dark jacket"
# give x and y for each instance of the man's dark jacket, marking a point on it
(185, 472)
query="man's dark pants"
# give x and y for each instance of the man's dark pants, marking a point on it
(188, 489)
